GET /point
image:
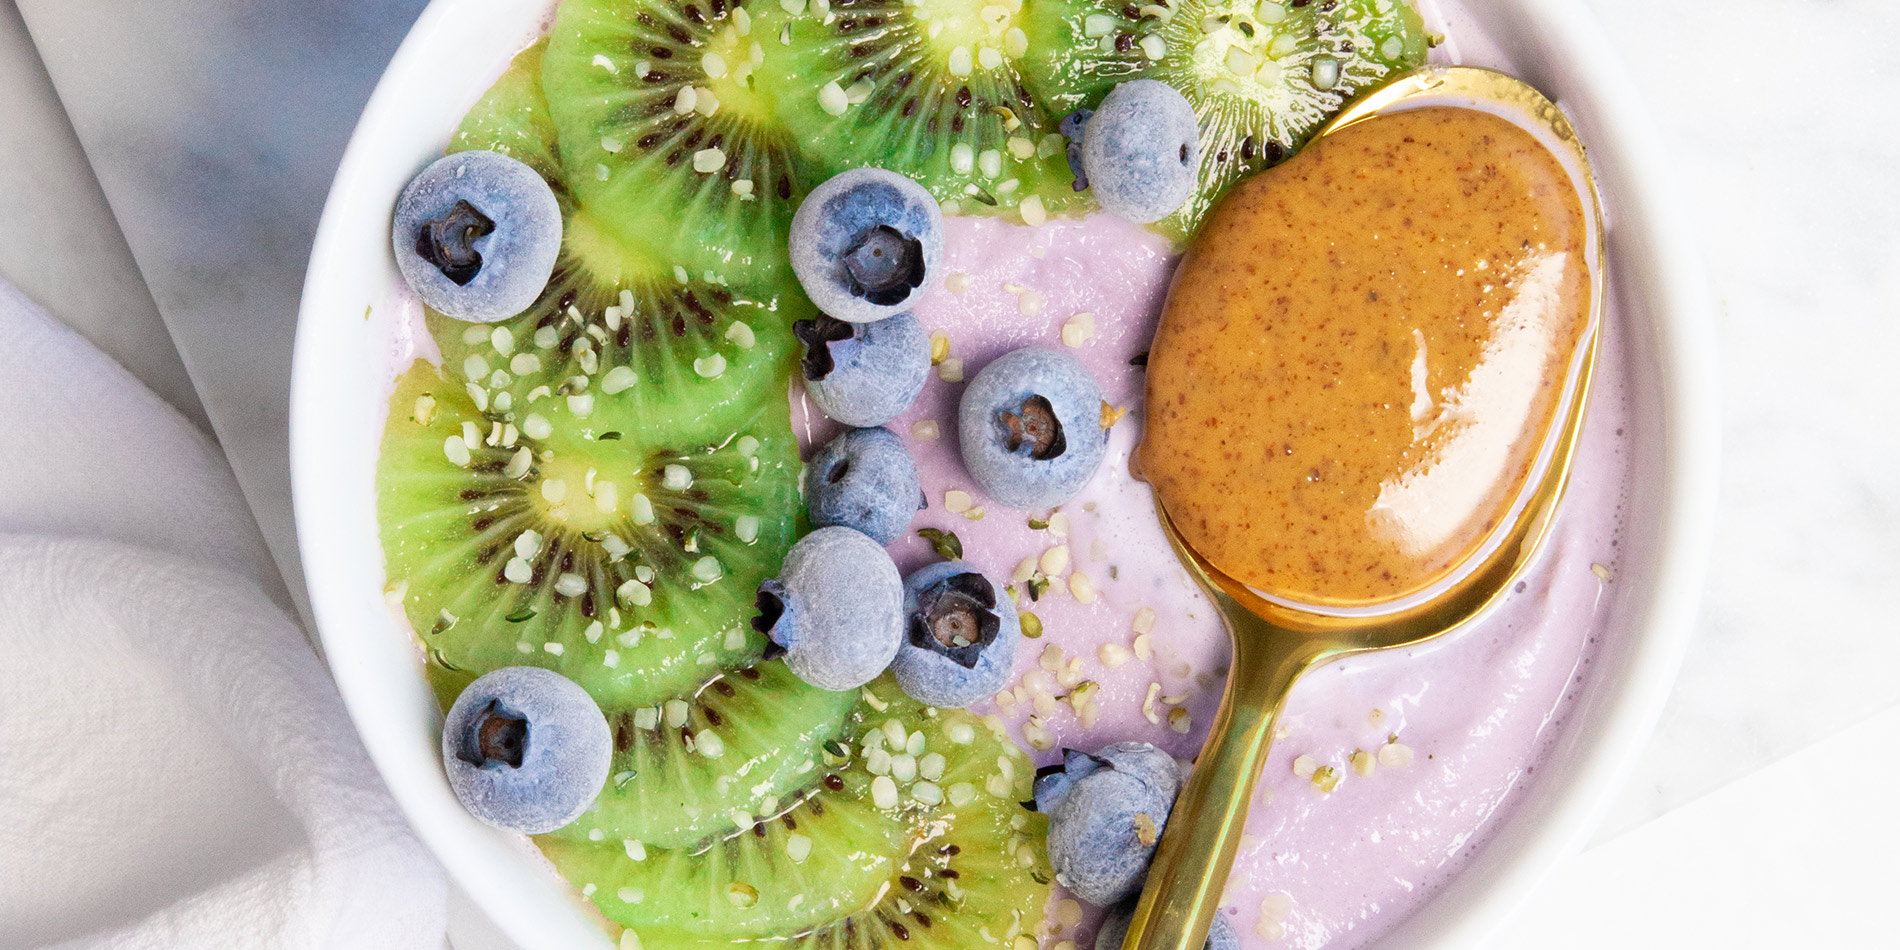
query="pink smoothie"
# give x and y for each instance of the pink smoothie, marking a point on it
(1446, 732)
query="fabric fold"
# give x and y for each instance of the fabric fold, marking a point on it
(181, 771)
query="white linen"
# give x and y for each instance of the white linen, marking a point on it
(178, 770)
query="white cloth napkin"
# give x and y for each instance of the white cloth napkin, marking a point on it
(176, 769)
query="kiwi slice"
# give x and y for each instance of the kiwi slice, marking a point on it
(666, 133)
(1262, 76)
(929, 88)
(875, 845)
(819, 858)
(964, 885)
(597, 487)
(681, 352)
(512, 118)
(958, 884)
(628, 564)
(702, 764)
(645, 343)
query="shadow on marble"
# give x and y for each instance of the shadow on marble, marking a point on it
(214, 129)
(63, 247)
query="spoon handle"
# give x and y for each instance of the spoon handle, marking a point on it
(1203, 832)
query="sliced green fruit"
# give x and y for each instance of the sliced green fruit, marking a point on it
(675, 347)
(666, 135)
(929, 88)
(960, 885)
(964, 886)
(913, 825)
(709, 762)
(512, 118)
(1080, 49)
(675, 352)
(598, 485)
(629, 564)
(1262, 76)
(822, 857)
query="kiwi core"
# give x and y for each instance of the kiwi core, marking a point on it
(972, 34)
(1243, 53)
(1264, 54)
(730, 57)
(578, 495)
(607, 253)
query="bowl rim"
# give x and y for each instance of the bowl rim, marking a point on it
(1626, 155)
(536, 910)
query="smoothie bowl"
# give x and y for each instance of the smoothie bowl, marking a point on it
(608, 486)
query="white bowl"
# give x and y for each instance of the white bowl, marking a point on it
(340, 387)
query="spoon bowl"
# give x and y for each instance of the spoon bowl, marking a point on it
(1276, 639)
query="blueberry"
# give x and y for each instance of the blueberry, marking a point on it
(476, 234)
(1031, 428)
(835, 609)
(1220, 935)
(1141, 150)
(1105, 816)
(960, 635)
(1071, 129)
(526, 749)
(864, 479)
(1144, 761)
(1052, 783)
(1139, 759)
(864, 374)
(866, 244)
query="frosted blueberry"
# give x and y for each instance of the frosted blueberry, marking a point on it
(526, 749)
(864, 479)
(1106, 813)
(476, 235)
(1144, 761)
(960, 636)
(864, 374)
(1220, 934)
(1030, 427)
(1071, 128)
(1140, 759)
(866, 243)
(1141, 150)
(835, 610)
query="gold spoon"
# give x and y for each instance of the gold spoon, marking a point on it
(1274, 642)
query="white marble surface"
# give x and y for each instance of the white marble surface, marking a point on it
(1769, 107)
(1798, 854)
(214, 126)
(61, 246)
